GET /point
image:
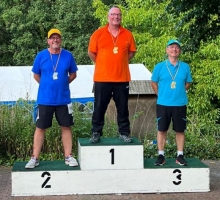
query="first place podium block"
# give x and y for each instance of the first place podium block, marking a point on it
(110, 153)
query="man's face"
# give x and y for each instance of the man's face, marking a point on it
(54, 41)
(114, 16)
(173, 50)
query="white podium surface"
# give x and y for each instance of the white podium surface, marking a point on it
(56, 178)
(110, 153)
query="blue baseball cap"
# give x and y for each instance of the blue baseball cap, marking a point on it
(173, 42)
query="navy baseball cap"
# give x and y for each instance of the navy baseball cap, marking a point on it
(173, 42)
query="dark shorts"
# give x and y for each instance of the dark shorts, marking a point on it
(166, 114)
(63, 115)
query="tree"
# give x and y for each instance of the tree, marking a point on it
(26, 24)
(152, 26)
(204, 96)
(205, 13)
(75, 19)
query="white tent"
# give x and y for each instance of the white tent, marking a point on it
(18, 82)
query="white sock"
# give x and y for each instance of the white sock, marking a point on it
(161, 152)
(179, 153)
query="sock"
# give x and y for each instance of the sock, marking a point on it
(161, 152)
(68, 156)
(34, 157)
(179, 153)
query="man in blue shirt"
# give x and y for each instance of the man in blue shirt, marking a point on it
(170, 80)
(54, 69)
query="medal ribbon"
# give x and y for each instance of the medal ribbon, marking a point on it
(54, 68)
(173, 77)
(113, 40)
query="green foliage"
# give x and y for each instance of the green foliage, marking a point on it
(24, 28)
(17, 130)
(23, 31)
(74, 18)
(151, 25)
(196, 146)
(202, 147)
(204, 95)
(206, 16)
(110, 129)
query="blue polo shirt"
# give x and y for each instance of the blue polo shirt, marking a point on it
(54, 92)
(168, 96)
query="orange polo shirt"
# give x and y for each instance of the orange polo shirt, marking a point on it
(110, 66)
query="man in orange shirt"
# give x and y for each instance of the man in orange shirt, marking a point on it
(111, 48)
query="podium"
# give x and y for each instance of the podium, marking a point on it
(110, 153)
(109, 167)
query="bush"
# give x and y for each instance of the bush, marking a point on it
(17, 130)
(196, 146)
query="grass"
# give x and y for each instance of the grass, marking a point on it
(17, 130)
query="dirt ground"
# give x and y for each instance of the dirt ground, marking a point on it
(214, 194)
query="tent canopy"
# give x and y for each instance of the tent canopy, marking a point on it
(17, 82)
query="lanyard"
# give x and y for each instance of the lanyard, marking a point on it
(54, 68)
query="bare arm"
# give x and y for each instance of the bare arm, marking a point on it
(154, 86)
(37, 77)
(187, 85)
(92, 56)
(72, 76)
(131, 54)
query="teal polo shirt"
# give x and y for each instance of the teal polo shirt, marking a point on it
(163, 74)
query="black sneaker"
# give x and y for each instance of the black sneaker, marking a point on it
(125, 138)
(95, 137)
(181, 161)
(160, 160)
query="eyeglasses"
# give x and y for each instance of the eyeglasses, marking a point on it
(55, 38)
(115, 14)
(174, 47)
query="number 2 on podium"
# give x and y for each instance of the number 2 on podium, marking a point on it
(112, 151)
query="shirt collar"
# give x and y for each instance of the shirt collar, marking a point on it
(170, 64)
(120, 28)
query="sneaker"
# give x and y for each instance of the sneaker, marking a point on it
(33, 162)
(181, 161)
(160, 160)
(125, 138)
(95, 137)
(69, 160)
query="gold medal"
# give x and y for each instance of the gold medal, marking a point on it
(173, 85)
(115, 50)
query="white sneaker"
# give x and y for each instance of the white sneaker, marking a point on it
(33, 162)
(69, 160)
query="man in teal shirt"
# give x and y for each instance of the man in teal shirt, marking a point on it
(170, 80)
